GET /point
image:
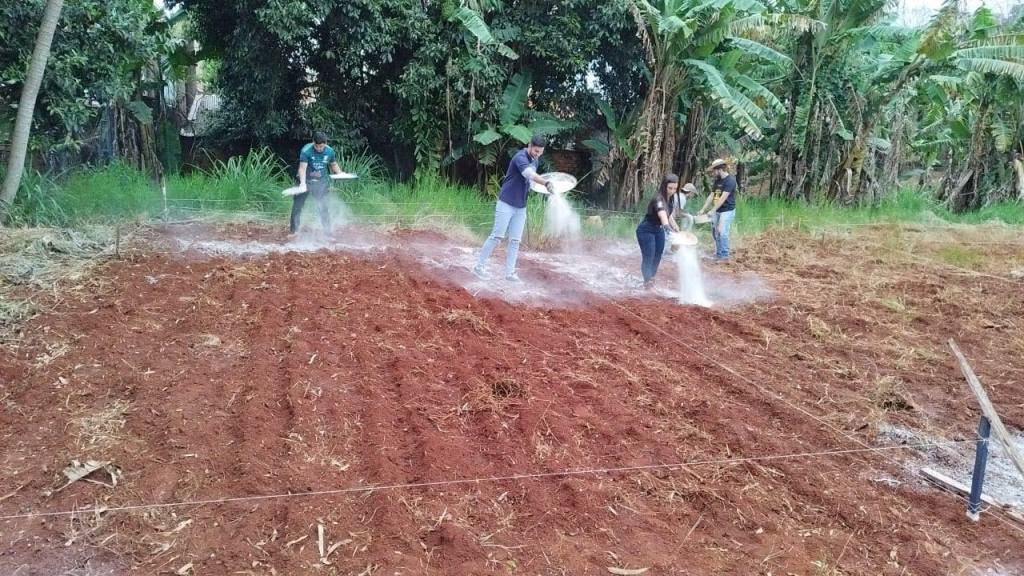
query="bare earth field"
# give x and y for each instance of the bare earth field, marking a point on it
(251, 393)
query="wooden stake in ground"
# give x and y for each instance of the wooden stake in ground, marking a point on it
(988, 410)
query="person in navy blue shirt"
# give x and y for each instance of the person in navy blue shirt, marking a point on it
(314, 161)
(510, 212)
(722, 205)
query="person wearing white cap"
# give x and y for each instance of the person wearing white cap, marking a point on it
(677, 203)
(722, 205)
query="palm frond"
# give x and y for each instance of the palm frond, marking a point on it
(907, 50)
(861, 12)
(742, 110)
(948, 83)
(1004, 52)
(882, 31)
(671, 25)
(1002, 134)
(761, 51)
(880, 144)
(763, 24)
(475, 24)
(749, 106)
(1013, 70)
(1012, 39)
(936, 38)
(755, 89)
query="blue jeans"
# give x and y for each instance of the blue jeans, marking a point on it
(651, 238)
(507, 220)
(722, 220)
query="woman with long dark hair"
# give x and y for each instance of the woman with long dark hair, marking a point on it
(650, 233)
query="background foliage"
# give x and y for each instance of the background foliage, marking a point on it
(813, 100)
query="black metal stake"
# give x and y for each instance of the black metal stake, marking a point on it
(978, 478)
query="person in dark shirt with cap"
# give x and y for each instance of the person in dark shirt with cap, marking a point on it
(510, 212)
(722, 205)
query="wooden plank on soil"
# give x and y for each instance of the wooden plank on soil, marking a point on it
(956, 486)
(989, 410)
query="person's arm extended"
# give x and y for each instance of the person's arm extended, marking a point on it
(530, 173)
(302, 175)
(717, 205)
(666, 221)
(707, 204)
(335, 167)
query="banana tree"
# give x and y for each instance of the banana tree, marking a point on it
(516, 124)
(683, 41)
(977, 77)
(611, 152)
(834, 91)
(480, 38)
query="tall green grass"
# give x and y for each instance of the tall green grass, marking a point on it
(112, 193)
(755, 215)
(38, 202)
(425, 201)
(253, 183)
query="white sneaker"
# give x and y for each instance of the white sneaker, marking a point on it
(513, 277)
(479, 272)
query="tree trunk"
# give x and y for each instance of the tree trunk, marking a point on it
(686, 147)
(1018, 170)
(789, 166)
(807, 188)
(654, 140)
(27, 105)
(848, 179)
(963, 188)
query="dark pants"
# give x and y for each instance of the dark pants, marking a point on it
(652, 245)
(319, 192)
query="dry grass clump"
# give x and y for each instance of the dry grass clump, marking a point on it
(12, 314)
(496, 396)
(101, 428)
(36, 259)
(820, 329)
(466, 318)
(888, 395)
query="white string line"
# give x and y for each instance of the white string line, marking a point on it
(777, 219)
(490, 479)
(782, 220)
(586, 212)
(485, 217)
(788, 402)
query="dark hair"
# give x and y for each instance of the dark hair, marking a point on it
(539, 141)
(319, 137)
(663, 189)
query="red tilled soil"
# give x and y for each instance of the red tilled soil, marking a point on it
(212, 378)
